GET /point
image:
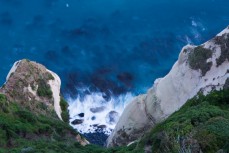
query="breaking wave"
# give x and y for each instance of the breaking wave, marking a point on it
(94, 113)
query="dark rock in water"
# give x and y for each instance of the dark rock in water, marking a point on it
(106, 85)
(126, 78)
(81, 115)
(98, 138)
(112, 117)
(102, 126)
(97, 109)
(70, 84)
(66, 50)
(77, 121)
(95, 125)
(93, 118)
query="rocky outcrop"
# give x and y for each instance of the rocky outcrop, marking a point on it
(199, 69)
(32, 109)
(34, 87)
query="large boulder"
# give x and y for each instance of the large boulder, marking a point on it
(199, 69)
(34, 87)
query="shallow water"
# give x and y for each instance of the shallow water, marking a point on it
(109, 48)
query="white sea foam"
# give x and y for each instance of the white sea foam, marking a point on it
(194, 23)
(96, 111)
(188, 40)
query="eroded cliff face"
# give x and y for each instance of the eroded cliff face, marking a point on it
(33, 115)
(199, 69)
(34, 87)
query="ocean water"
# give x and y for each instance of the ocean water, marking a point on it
(105, 52)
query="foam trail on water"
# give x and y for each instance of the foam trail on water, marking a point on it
(96, 113)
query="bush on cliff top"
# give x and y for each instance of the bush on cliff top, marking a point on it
(201, 124)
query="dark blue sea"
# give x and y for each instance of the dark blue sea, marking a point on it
(105, 50)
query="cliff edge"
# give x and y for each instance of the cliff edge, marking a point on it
(32, 85)
(201, 68)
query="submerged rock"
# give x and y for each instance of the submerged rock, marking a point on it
(199, 69)
(97, 109)
(112, 117)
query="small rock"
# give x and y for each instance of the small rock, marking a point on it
(97, 109)
(112, 117)
(93, 118)
(81, 115)
(77, 121)
(102, 126)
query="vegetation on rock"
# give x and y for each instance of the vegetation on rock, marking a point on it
(44, 89)
(64, 109)
(198, 59)
(24, 131)
(202, 124)
(223, 41)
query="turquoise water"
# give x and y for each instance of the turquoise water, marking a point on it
(111, 46)
(105, 48)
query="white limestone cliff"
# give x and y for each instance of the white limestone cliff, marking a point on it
(168, 94)
(55, 87)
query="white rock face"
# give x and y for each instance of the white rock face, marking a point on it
(168, 94)
(55, 87)
(13, 69)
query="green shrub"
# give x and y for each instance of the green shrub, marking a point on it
(44, 89)
(198, 59)
(64, 109)
(26, 116)
(50, 76)
(201, 124)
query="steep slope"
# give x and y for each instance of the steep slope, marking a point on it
(201, 125)
(199, 69)
(34, 117)
(31, 112)
(31, 84)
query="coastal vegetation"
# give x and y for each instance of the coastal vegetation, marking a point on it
(202, 124)
(44, 89)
